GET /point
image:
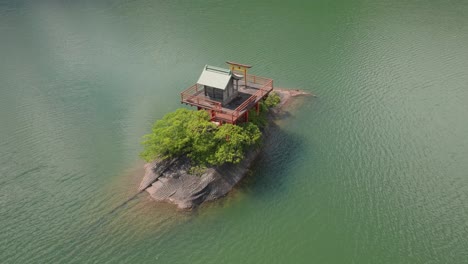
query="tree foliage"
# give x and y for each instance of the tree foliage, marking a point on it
(272, 100)
(174, 133)
(232, 141)
(260, 119)
(190, 133)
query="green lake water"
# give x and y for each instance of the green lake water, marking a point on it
(374, 170)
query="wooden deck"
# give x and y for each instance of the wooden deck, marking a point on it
(251, 91)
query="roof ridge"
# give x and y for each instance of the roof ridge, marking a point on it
(217, 69)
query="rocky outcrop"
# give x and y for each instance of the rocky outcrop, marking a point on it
(170, 181)
(174, 184)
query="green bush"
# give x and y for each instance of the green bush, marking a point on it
(190, 133)
(197, 170)
(232, 141)
(175, 133)
(272, 100)
(259, 119)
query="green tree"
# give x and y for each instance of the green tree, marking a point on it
(233, 141)
(174, 134)
(190, 133)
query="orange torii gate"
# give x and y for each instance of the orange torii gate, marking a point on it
(238, 67)
(242, 68)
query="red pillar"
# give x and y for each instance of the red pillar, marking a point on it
(246, 116)
(257, 107)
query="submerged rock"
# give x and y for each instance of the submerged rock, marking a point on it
(170, 181)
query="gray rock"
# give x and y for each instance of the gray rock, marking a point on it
(153, 171)
(187, 191)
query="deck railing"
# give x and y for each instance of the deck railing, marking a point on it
(257, 96)
(253, 79)
(193, 96)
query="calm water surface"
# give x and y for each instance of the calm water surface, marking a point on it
(373, 171)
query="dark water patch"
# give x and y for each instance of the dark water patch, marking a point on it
(282, 150)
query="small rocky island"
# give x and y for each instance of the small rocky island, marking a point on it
(197, 156)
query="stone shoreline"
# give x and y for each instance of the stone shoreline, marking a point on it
(169, 180)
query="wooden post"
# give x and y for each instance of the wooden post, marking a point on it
(247, 116)
(257, 107)
(245, 77)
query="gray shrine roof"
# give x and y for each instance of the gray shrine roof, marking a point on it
(215, 77)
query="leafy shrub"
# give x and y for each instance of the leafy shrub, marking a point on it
(232, 141)
(259, 119)
(197, 170)
(190, 133)
(175, 133)
(272, 100)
